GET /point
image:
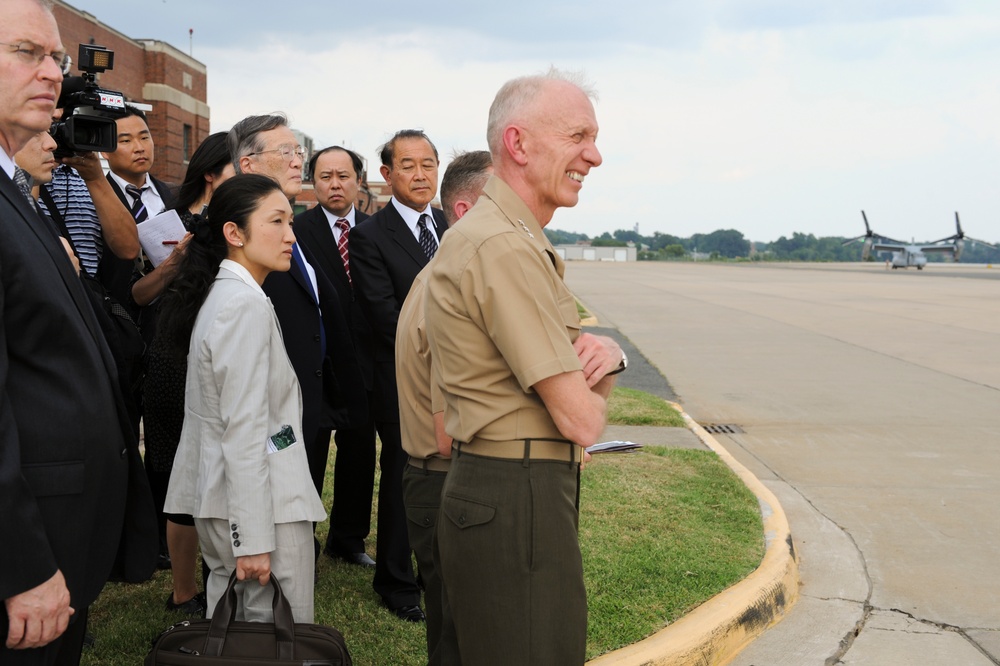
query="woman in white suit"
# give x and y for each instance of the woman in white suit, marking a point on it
(241, 468)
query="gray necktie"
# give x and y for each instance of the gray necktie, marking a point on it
(427, 243)
(23, 182)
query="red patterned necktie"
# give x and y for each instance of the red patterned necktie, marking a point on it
(345, 231)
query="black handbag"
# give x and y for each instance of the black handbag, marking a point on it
(223, 641)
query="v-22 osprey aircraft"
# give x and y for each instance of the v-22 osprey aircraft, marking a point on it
(905, 255)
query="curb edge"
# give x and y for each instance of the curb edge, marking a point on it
(717, 630)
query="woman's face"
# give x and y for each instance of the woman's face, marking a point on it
(268, 240)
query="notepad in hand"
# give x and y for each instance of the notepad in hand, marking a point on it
(616, 446)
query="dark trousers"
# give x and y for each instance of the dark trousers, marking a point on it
(394, 580)
(353, 484)
(422, 497)
(510, 561)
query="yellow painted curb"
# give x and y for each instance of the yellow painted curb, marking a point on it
(716, 631)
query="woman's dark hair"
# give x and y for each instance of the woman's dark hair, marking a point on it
(211, 157)
(234, 201)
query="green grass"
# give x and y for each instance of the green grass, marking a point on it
(631, 407)
(661, 531)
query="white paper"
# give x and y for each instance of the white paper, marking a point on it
(166, 226)
(616, 446)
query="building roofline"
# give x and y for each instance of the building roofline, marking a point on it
(153, 45)
(157, 46)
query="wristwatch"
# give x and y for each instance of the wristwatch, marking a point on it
(621, 367)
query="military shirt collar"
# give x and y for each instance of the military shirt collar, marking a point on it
(521, 218)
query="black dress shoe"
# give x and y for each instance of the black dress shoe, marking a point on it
(360, 559)
(163, 561)
(407, 613)
(193, 607)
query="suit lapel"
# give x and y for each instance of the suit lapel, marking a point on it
(403, 237)
(317, 228)
(57, 253)
(118, 191)
(441, 224)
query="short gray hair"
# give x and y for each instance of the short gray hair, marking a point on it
(244, 138)
(521, 92)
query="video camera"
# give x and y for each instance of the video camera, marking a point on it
(87, 122)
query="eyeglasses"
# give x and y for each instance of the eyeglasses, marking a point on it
(287, 153)
(33, 54)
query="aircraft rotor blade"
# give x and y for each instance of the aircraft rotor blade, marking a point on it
(979, 241)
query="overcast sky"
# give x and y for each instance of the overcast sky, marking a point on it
(767, 116)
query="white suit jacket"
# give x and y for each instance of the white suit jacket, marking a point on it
(241, 390)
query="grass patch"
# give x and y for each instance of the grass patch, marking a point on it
(631, 407)
(582, 311)
(661, 531)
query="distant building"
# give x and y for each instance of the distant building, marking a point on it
(589, 253)
(149, 72)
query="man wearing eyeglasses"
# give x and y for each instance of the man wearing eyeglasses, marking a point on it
(63, 434)
(313, 325)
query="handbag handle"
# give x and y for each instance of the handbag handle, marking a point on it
(225, 613)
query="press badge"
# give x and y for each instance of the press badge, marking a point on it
(281, 439)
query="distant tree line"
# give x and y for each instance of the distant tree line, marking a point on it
(730, 244)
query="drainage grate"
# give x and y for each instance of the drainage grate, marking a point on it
(723, 428)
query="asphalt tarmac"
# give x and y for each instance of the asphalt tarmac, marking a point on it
(869, 401)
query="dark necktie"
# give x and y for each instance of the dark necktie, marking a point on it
(427, 243)
(138, 209)
(23, 184)
(345, 231)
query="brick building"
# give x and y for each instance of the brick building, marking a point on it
(149, 72)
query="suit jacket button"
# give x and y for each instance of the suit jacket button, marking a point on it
(237, 543)
(319, 373)
(236, 535)
(234, 527)
(316, 337)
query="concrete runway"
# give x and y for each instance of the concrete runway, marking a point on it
(870, 401)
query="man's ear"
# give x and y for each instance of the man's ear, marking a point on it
(385, 171)
(460, 208)
(513, 141)
(246, 164)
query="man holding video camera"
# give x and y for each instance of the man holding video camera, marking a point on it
(63, 432)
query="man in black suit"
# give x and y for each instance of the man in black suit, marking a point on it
(313, 325)
(387, 252)
(63, 432)
(142, 194)
(325, 230)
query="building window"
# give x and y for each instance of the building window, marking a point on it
(187, 143)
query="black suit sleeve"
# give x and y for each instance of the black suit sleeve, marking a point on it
(373, 285)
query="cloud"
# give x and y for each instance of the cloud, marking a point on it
(769, 116)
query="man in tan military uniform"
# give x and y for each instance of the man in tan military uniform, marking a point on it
(524, 390)
(420, 414)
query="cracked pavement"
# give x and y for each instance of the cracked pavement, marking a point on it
(869, 401)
